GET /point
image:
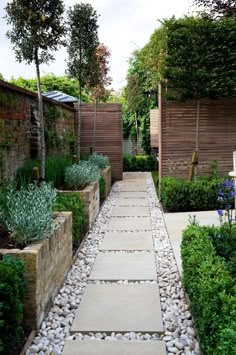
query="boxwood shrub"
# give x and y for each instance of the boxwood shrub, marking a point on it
(179, 195)
(212, 292)
(12, 291)
(139, 163)
(73, 203)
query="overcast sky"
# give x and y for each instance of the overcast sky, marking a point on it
(124, 25)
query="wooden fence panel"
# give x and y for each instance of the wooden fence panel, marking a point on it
(109, 134)
(178, 136)
(154, 138)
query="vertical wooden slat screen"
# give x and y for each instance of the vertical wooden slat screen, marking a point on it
(109, 134)
(177, 139)
(154, 140)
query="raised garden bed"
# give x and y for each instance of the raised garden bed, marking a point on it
(90, 196)
(47, 263)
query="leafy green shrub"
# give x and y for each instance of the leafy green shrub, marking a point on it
(212, 292)
(102, 187)
(55, 167)
(100, 160)
(79, 175)
(139, 163)
(72, 202)
(27, 213)
(12, 290)
(179, 195)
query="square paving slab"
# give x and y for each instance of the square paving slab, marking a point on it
(127, 241)
(93, 347)
(132, 202)
(130, 212)
(124, 266)
(119, 308)
(129, 224)
(133, 194)
(133, 188)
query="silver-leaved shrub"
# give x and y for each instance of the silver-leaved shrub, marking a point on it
(79, 175)
(100, 160)
(27, 213)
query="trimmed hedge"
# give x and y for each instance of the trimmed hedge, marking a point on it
(212, 292)
(139, 163)
(12, 291)
(72, 203)
(179, 195)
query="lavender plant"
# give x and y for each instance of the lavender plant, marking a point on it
(100, 160)
(79, 175)
(226, 195)
(27, 213)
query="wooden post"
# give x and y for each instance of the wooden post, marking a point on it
(193, 163)
(36, 173)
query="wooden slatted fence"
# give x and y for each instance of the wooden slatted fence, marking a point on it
(178, 136)
(108, 132)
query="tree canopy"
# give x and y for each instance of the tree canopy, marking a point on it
(214, 8)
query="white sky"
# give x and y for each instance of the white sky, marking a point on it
(124, 26)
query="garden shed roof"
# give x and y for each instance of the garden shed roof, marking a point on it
(60, 96)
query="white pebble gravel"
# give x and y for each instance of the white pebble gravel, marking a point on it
(180, 336)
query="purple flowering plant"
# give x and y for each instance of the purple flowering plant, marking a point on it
(226, 196)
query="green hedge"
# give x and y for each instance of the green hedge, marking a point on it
(212, 292)
(72, 203)
(12, 290)
(179, 195)
(139, 163)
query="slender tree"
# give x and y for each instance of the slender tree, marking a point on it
(98, 87)
(37, 28)
(82, 45)
(134, 98)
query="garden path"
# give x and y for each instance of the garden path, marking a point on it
(124, 289)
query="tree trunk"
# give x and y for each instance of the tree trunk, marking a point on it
(79, 127)
(94, 126)
(197, 137)
(40, 108)
(136, 123)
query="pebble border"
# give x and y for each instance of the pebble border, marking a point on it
(180, 336)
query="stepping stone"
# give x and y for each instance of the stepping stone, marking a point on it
(112, 347)
(130, 212)
(134, 177)
(129, 224)
(132, 202)
(127, 241)
(133, 194)
(119, 308)
(124, 266)
(132, 188)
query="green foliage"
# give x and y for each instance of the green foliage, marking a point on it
(100, 160)
(212, 292)
(223, 239)
(27, 213)
(179, 195)
(12, 291)
(138, 163)
(51, 82)
(37, 27)
(102, 187)
(72, 202)
(200, 58)
(55, 170)
(83, 41)
(79, 175)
